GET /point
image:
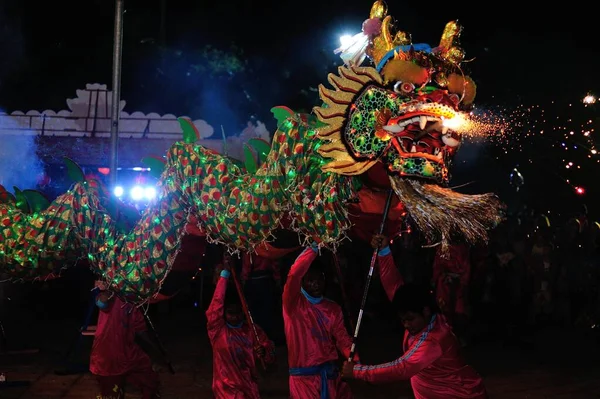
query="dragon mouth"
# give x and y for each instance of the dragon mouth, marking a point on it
(423, 135)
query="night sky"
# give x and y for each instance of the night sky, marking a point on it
(522, 56)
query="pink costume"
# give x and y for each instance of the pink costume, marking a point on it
(315, 331)
(431, 358)
(234, 373)
(116, 358)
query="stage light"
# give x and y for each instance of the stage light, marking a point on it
(137, 193)
(150, 193)
(118, 191)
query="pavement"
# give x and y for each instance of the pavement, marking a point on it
(557, 362)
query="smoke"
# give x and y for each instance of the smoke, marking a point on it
(222, 106)
(19, 163)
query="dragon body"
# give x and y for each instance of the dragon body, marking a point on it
(378, 129)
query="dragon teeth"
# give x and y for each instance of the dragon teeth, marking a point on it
(393, 128)
(445, 130)
(413, 149)
(450, 141)
(422, 122)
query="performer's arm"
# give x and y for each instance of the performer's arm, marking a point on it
(341, 336)
(105, 302)
(215, 313)
(391, 279)
(291, 291)
(419, 356)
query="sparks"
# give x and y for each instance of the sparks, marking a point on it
(589, 99)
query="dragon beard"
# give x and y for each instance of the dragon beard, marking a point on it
(442, 214)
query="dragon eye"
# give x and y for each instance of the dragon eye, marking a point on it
(404, 87)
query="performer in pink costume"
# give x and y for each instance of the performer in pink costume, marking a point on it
(431, 358)
(315, 332)
(234, 348)
(116, 357)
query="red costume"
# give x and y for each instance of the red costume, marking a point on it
(116, 358)
(315, 331)
(431, 358)
(451, 275)
(234, 372)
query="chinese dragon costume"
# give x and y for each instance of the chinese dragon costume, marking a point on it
(381, 127)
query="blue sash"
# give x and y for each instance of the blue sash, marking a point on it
(327, 371)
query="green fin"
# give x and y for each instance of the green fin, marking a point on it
(21, 203)
(37, 201)
(190, 132)
(74, 171)
(281, 113)
(262, 148)
(249, 160)
(156, 165)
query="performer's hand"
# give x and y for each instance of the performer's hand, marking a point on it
(260, 351)
(348, 370)
(227, 262)
(379, 241)
(217, 274)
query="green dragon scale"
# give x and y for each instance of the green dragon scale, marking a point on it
(231, 207)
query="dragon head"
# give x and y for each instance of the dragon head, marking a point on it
(404, 118)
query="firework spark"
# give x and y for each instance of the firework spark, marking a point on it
(554, 133)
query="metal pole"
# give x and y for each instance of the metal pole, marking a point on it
(386, 211)
(116, 91)
(246, 310)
